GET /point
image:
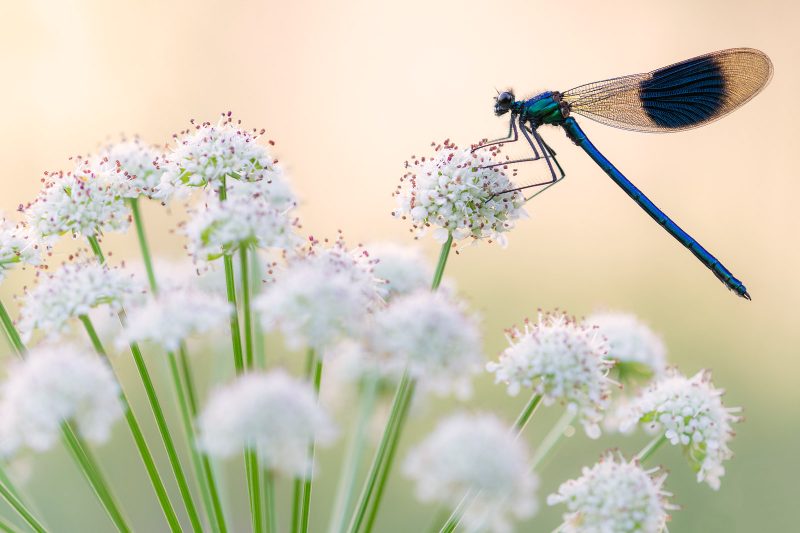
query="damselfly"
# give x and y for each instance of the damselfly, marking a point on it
(685, 95)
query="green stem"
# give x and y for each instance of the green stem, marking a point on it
(258, 332)
(246, 311)
(651, 448)
(297, 498)
(552, 438)
(355, 452)
(254, 489)
(146, 258)
(81, 453)
(166, 436)
(443, 255)
(98, 252)
(381, 464)
(11, 331)
(527, 413)
(8, 483)
(8, 527)
(236, 339)
(269, 502)
(305, 510)
(199, 460)
(208, 469)
(138, 437)
(19, 507)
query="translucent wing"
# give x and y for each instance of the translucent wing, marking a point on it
(685, 95)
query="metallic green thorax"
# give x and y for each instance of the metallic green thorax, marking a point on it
(545, 108)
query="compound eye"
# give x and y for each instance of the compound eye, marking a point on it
(505, 98)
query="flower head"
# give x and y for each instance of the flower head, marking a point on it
(55, 384)
(431, 335)
(324, 295)
(273, 414)
(614, 495)
(403, 267)
(691, 414)
(206, 154)
(475, 454)
(174, 315)
(87, 201)
(17, 245)
(139, 163)
(454, 192)
(636, 349)
(72, 291)
(250, 216)
(563, 361)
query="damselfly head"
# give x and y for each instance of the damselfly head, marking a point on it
(503, 103)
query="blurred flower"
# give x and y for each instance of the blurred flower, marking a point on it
(207, 153)
(56, 384)
(403, 267)
(72, 291)
(17, 245)
(140, 165)
(174, 315)
(431, 335)
(691, 414)
(563, 361)
(636, 349)
(614, 495)
(475, 454)
(243, 219)
(324, 295)
(273, 414)
(452, 192)
(87, 201)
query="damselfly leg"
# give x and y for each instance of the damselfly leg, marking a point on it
(511, 137)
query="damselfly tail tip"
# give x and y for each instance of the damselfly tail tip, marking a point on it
(746, 295)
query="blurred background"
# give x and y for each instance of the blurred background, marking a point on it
(350, 89)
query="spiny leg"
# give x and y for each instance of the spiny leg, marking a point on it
(512, 136)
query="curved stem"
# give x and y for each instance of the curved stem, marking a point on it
(138, 437)
(651, 448)
(347, 481)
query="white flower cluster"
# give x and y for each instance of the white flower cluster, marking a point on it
(17, 245)
(87, 201)
(208, 153)
(453, 192)
(139, 164)
(432, 336)
(323, 296)
(273, 414)
(635, 348)
(72, 291)
(614, 495)
(254, 214)
(56, 384)
(403, 267)
(478, 456)
(562, 360)
(691, 414)
(174, 315)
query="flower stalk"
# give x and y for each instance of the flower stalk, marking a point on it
(651, 448)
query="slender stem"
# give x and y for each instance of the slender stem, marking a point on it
(208, 468)
(381, 464)
(146, 258)
(254, 489)
(297, 498)
(19, 507)
(269, 502)
(11, 331)
(443, 255)
(8, 527)
(166, 436)
(138, 437)
(552, 438)
(246, 311)
(306, 507)
(527, 413)
(347, 481)
(96, 248)
(359, 514)
(236, 339)
(210, 498)
(82, 455)
(651, 448)
(258, 332)
(9, 484)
